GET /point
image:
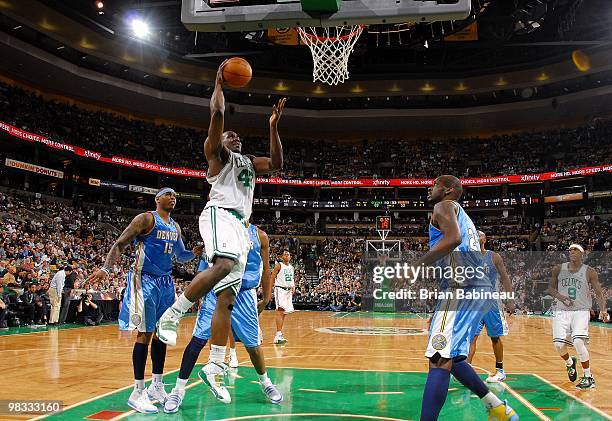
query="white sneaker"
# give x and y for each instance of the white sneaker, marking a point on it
(213, 374)
(156, 392)
(175, 400)
(167, 326)
(139, 402)
(272, 393)
(233, 360)
(280, 339)
(498, 377)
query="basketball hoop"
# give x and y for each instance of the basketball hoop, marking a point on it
(330, 48)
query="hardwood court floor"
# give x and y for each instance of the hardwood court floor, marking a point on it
(335, 366)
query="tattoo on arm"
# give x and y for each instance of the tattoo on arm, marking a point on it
(141, 224)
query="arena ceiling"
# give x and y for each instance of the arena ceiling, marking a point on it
(570, 53)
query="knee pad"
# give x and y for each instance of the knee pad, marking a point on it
(495, 340)
(230, 307)
(561, 347)
(581, 349)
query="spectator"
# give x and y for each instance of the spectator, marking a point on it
(32, 307)
(88, 312)
(55, 293)
(66, 292)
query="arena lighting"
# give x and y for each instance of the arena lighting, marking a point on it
(100, 5)
(140, 28)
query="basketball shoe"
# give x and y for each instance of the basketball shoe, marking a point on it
(213, 374)
(174, 401)
(502, 412)
(271, 393)
(586, 383)
(499, 376)
(156, 392)
(572, 374)
(167, 326)
(139, 402)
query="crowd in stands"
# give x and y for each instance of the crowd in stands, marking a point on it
(113, 134)
(39, 236)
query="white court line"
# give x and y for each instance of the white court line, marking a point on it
(525, 402)
(317, 390)
(311, 415)
(585, 403)
(384, 393)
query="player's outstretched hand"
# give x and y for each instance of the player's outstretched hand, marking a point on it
(604, 316)
(277, 111)
(197, 250)
(219, 78)
(97, 276)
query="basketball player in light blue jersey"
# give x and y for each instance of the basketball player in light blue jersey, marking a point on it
(454, 246)
(245, 326)
(149, 291)
(494, 319)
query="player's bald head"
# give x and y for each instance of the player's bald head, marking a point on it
(450, 182)
(446, 187)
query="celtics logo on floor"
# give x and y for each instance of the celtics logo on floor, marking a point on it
(373, 330)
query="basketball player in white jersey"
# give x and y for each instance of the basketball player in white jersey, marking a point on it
(223, 226)
(284, 287)
(570, 285)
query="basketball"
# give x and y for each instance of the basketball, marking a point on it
(237, 72)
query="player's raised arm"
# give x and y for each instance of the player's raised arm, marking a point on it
(553, 285)
(266, 279)
(266, 165)
(141, 224)
(216, 154)
(593, 278)
(505, 280)
(445, 215)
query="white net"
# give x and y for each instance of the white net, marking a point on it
(330, 48)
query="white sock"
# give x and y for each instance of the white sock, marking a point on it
(233, 353)
(158, 378)
(569, 362)
(139, 384)
(264, 379)
(182, 304)
(181, 383)
(217, 354)
(587, 372)
(279, 333)
(491, 401)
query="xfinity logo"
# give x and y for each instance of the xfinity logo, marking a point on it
(534, 177)
(381, 182)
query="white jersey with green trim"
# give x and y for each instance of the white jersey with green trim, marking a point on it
(234, 186)
(284, 277)
(574, 285)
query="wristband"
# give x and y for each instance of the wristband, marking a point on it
(105, 270)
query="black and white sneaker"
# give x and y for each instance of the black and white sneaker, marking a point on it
(572, 374)
(586, 383)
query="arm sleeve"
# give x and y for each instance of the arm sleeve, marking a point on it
(181, 254)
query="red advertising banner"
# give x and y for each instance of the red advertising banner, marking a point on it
(360, 182)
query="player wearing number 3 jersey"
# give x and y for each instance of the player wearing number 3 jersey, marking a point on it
(570, 285)
(223, 225)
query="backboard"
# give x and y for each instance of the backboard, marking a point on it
(249, 15)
